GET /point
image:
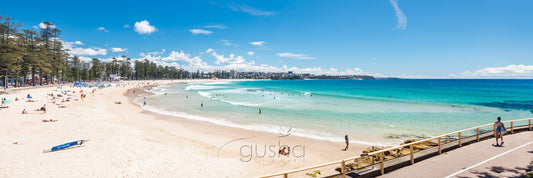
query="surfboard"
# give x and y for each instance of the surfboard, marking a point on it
(66, 145)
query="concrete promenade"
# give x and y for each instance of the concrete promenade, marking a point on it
(483, 159)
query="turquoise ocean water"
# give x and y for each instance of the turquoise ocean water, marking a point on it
(370, 111)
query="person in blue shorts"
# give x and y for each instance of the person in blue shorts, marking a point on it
(500, 130)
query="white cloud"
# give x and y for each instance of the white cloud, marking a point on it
(221, 59)
(82, 51)
(295, 56)
(234, 62)
(70, 45)
(250, 10)
(216, 26)
(200, 31)
(43, 26)
(402, 19)
(257, 43)
(126, 26)
(251, 53)
(101, 29)
(144, 27)
(88, 51)
(154, 53)
(194, 62)
(228, 43)
(119, 49)
(85, 59)
(510, 71)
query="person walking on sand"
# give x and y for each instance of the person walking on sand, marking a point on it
(347, 142)
(500, 130)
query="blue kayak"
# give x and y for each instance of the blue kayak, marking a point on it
(66, 145)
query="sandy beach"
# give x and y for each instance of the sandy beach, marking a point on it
(126, 140)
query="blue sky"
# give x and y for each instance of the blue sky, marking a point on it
(414, 39)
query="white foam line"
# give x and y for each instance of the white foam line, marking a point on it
(264, 128)
(483, 162)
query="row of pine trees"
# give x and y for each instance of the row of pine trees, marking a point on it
(40, 56)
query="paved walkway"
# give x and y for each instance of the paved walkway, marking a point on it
(482, 159)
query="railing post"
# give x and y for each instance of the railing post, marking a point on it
(382, 165)
(494, 130)
(460, 144)
(285, 175)
(412, 154)
(343, 169)
(512, 127)
(529, 124)
(439, 146)
(477, 134)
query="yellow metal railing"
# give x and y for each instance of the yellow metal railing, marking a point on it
(381, 153)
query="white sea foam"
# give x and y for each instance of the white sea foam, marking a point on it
(161, 91)
(256, 127)
(307, 93)
(208, 95)
(202, 87)
(217, 83)
(240, 103)
(205, 94)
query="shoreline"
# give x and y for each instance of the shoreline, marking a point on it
(127, 140)
(322, 150)
(237, 125)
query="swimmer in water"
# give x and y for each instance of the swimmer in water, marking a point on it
(259, 110)
(202, 105)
